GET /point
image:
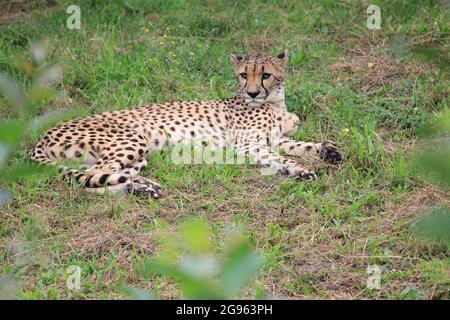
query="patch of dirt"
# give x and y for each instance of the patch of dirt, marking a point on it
(312, 256)
(390, 146)
(16, 10)
(318, 264)
(100, 234)
(12, 11)
(373, 68)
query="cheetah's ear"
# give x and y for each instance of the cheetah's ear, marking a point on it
(235, 60)
(282, 58)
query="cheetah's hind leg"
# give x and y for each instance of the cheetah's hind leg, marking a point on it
(134, 184)
(144, 187)
(140, 186)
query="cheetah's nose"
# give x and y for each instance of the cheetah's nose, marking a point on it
(253, 94)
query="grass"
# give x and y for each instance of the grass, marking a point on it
(361, 88)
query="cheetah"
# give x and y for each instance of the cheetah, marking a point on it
(114, 146)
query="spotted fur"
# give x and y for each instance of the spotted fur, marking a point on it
(114, 145)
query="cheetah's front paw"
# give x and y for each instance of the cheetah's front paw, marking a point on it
(329, 153)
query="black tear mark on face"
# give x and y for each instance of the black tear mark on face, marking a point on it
(262, 83)
(245, 85)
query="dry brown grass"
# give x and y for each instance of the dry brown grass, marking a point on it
(372, 68)
(310, 244)
(342, 276)
(12, 11)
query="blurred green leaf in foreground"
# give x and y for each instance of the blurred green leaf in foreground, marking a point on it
(435, 225)
(43, 76)
(434, 162)
(200, 268)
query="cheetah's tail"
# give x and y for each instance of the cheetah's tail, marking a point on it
(94, 182)
(39, 154)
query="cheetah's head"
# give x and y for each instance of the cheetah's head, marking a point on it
(260, 77)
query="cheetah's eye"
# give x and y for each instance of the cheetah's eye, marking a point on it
(243, 75)
(266, 75)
